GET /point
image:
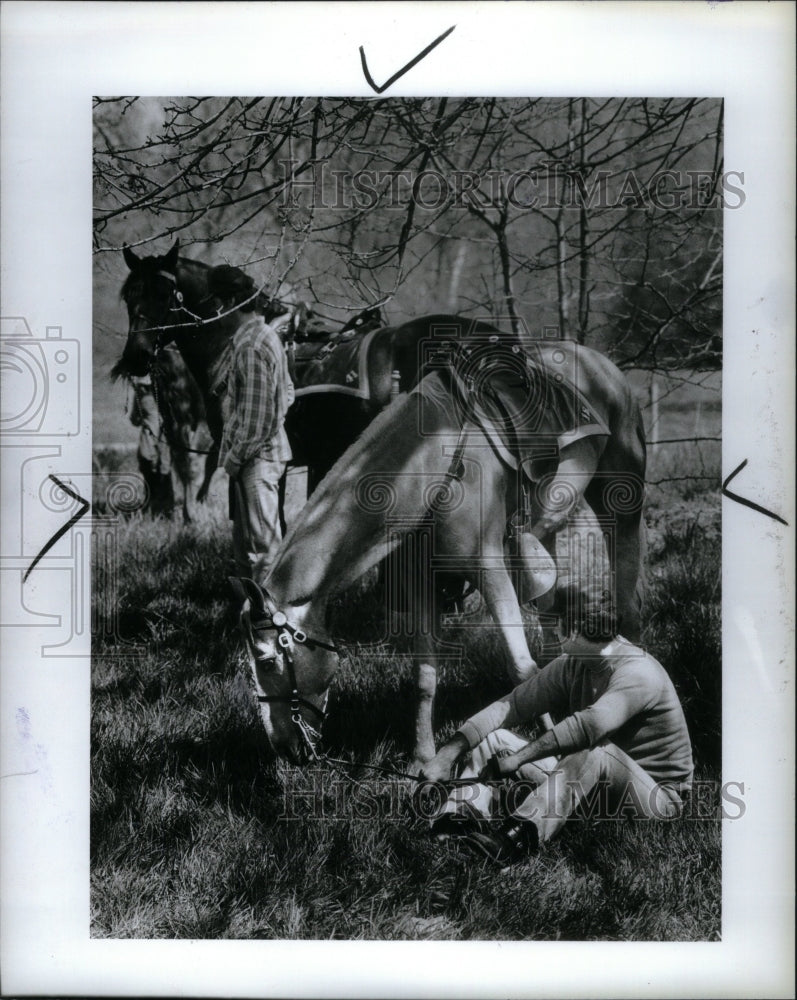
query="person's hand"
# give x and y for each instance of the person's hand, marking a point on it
(501, 766)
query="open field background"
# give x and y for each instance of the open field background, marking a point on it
(196, 832)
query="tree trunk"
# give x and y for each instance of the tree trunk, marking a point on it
(655, 394)
(506, 272)
(456, 276)
(561, 276)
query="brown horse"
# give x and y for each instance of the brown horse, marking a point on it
(176, 455)
(168, 301)
(428, 472)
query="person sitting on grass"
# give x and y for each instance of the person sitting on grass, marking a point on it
(621, 744)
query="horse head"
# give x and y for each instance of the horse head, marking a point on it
(154, 305)
(292, 663)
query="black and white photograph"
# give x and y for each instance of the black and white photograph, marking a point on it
(423, 398)
(399, 510)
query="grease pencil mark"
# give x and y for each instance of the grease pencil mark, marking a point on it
(747, 503)
(405, 69)
(63, 530)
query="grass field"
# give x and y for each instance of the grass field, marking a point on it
(197, 832)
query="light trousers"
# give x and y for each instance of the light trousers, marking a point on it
(256, 532)
(603, 782)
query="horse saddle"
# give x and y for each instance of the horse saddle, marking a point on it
(337, 363)
(526, 412)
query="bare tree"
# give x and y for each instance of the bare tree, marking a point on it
(600, 218)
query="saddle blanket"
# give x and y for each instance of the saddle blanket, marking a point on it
(526, 414)
(339, 365)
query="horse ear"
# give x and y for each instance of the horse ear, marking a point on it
(170, 260)
(130, 258)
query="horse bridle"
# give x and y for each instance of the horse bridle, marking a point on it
(287, 634)
(176, 304)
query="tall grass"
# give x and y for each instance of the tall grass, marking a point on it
(197, 832)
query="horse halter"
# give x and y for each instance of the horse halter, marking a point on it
(175, 298)
(162, 326)
(287, 634)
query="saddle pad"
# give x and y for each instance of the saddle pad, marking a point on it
(526, 414)
(337, 366)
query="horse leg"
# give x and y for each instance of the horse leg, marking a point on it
(317, 471)
(425, 677)
(558, 496)
(551, 646)
(555, 501)
(410, 571)
(196, 470)
(617, 498)
(627, 575)
(502, 603)
(627, 529)
(211, 461)
(181, 478)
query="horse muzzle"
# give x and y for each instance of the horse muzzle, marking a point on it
(135, 361)
(292, 748)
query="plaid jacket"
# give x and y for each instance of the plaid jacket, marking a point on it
(259, 393)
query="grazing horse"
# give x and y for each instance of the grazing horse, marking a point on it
(433, 475)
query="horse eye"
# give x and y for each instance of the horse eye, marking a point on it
(266, 659)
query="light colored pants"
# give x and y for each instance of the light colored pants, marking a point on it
(548, 791)
(256, 530)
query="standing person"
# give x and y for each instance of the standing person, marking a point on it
(254, 448)
(621, 737)
(154, 454)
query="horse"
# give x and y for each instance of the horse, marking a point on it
(341, 383)
(175, 454)
(432, 476)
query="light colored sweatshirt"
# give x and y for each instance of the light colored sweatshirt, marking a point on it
(617, 693)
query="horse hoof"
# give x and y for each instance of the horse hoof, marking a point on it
(415, 767)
